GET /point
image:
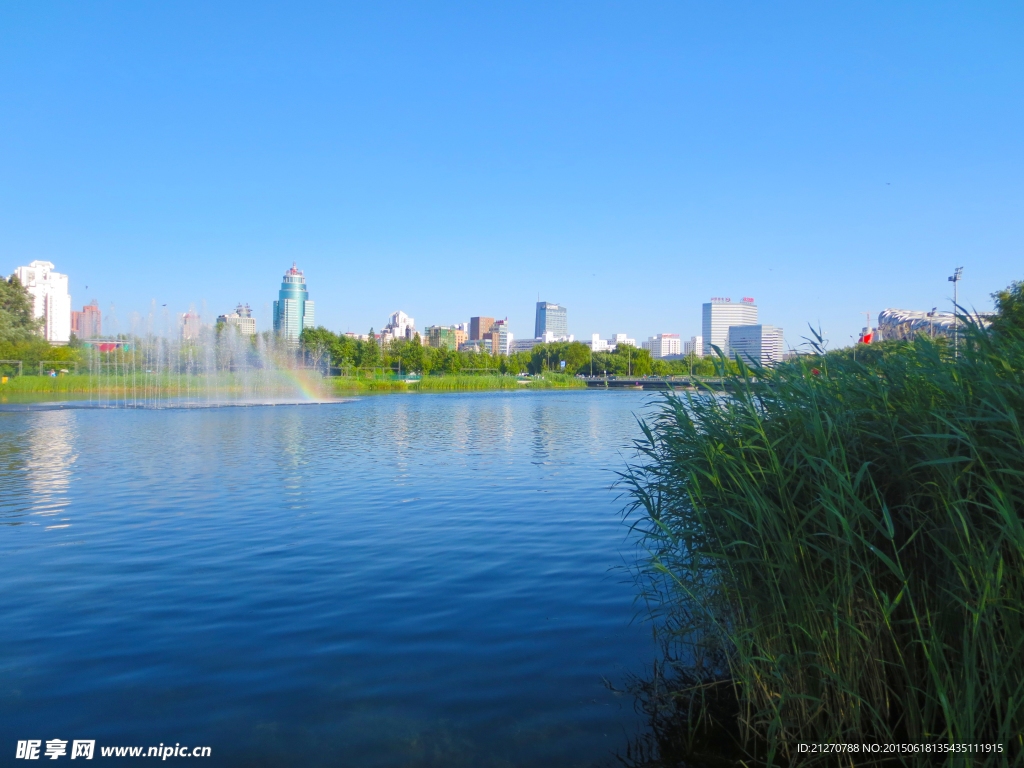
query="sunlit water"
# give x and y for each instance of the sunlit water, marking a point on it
(401, 580)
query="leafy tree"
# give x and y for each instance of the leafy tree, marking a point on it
(412, 355)
(369, 352)
(16, 321)
(317, 343)
(1009, 316)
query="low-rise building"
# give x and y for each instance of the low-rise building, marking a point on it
(476, 345)
(907, 324)
(241, 320)
(664, 344)
(524, 345)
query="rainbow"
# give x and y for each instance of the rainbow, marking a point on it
(306, 387)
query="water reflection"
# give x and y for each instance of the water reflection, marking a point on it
(37, 468)
(264, 565)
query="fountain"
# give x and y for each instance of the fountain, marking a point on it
(189, 365)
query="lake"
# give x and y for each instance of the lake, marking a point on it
(398, 580)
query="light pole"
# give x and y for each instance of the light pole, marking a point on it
(931, 322)
(955, 279)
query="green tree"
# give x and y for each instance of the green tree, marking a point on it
(16, 321)
(412, 355)
(317, 342)
(369, 352)
(1009, 316)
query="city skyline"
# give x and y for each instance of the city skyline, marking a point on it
(714, 332)
(627, 164)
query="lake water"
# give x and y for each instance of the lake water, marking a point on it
(399, 580)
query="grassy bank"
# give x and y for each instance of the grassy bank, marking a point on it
(454, 383)
(237, 385)
(839, 558)
(159, 385)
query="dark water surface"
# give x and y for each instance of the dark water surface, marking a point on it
(402, 580)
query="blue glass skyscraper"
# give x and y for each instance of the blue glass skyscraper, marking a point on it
(551, 318)
(293, 310)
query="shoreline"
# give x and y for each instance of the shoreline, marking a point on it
(166, 387)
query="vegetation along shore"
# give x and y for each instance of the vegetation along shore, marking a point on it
(839, 559)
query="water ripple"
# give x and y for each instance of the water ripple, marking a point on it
(398, 580)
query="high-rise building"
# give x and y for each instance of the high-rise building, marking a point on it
(695, 346)
(50, 299)
(500, 336)
(756, 343)
(722, 314)
(664, 344)
(551, 319)
(88, 323)
(293, 310)
(479, 327)
(399, 326)
(447, 336)
(241, 319)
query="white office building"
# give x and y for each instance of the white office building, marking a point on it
(695, 346)
(719, 316)
(400, 326)
(664, 344)
(50, 299)
(756, 344)
(597, 344)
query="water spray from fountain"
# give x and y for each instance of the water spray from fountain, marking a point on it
(178, 361)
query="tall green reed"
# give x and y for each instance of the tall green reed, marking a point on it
(845, 545)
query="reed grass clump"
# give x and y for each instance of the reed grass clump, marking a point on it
(845, 546)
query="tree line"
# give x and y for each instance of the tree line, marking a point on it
(347, 353)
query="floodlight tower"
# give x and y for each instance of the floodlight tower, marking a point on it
(954, 279)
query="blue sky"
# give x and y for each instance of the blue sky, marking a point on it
(629, 160)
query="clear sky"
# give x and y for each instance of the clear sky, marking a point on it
(629, 160)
